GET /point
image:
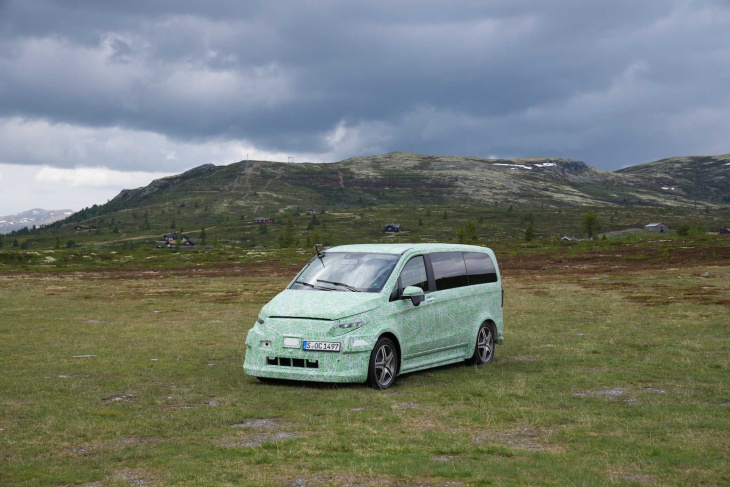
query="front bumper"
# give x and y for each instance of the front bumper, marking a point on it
(267, 357)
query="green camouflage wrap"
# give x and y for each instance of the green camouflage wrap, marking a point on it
(440, 331)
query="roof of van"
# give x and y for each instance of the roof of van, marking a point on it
(401, 248)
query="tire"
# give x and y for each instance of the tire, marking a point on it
(383, 366)
(484, 346)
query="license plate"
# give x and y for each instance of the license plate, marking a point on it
(321, 346)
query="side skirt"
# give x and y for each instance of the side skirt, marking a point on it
(435, 358)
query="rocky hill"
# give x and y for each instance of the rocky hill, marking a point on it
(431, 196)
(705, 178)
(260, 186)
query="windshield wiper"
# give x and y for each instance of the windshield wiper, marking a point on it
(323, 288)
(346, 286)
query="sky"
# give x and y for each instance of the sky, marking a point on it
(100, 96)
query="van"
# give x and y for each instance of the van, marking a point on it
(368, 313)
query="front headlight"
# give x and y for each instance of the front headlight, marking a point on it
(345, 327)
(350, 326)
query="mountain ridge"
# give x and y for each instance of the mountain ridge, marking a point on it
(33, 217)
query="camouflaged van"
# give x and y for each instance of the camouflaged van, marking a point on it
(367, 313)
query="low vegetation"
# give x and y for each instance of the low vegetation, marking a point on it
(128, 371)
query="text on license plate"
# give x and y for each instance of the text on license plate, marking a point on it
(320, 346)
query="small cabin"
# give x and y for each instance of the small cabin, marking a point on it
(569, 239)
(392, 228)
(656, 228)
(171, 237)
(261, 220)
(81, 227)
(312, 211)
(724, 231)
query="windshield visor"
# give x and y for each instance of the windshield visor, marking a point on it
(350, 270)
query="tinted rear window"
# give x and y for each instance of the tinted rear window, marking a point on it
(449, 270)
(480, 268)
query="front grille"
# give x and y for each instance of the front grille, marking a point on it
(293, 362)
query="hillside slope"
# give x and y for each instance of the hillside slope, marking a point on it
(706, 178)
(431, 196)
(259, 186)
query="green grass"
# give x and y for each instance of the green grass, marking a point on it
(616, 377)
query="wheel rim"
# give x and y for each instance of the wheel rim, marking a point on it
(484, 344)
(385, 365)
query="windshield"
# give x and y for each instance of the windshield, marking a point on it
(347, 272)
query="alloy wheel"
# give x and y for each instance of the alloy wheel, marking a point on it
(385, 365)
(485, 344)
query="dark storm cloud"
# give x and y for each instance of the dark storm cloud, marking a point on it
(611, 83)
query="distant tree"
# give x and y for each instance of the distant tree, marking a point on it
(428, 211)
(529, 233)
(1, 241)
(420, 222)
(510, 208)
(215, 241)
(70, 244)
(591, 224)
(57, 245)
(683, 229)
(263, 229)
(203, 236)
(700, 229)
(177, 243)
(288, 237)
(445, 216)
(173, 225)
(308, 243)
(116, 229)
(467, 233)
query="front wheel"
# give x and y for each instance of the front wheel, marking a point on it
(484, 347)
(383, 364)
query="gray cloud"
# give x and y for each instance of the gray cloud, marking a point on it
(611, 83)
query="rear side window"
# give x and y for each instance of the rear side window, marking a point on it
(480, 268)
(414, 274)
(449, 270)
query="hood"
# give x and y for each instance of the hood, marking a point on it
(329, 305)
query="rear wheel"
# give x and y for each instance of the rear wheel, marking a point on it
(484, 347)
(383, 364)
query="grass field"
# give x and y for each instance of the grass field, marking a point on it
(614, 371)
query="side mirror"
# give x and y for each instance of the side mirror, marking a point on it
(415, 294)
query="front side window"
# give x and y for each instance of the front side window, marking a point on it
(480, 268)
(347, 271)
(449, 270)
(414, 274)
